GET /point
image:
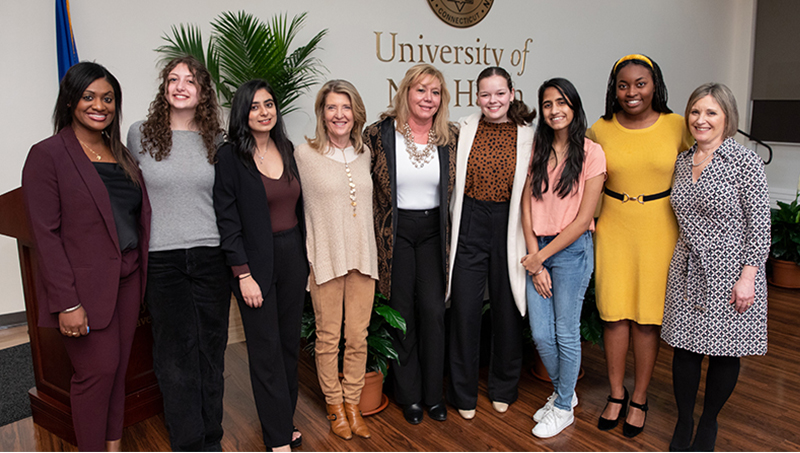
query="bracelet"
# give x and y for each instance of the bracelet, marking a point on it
(540, 271)
(244, 276)
(69, 310)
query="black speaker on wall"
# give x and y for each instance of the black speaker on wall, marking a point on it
(776, 72)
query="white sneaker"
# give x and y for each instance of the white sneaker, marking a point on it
(550, 404)
(553, 423)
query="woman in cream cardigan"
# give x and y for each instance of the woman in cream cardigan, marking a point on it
(487, 242)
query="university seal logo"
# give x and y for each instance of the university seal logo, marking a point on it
(461, 13)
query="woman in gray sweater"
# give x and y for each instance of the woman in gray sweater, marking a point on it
(187, 283)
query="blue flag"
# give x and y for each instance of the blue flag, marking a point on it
(65, 42)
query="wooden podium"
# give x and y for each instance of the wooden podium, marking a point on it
(51, 366)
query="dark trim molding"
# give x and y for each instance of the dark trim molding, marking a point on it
(12, 319)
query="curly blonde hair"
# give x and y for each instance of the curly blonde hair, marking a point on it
(156, 131)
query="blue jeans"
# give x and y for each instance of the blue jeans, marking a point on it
(555, 321)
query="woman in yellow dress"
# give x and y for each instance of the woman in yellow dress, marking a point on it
(636, 231)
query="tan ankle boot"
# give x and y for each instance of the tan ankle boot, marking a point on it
(339, 425)
(357, 424)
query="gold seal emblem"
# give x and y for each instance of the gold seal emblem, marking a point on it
(461, 13)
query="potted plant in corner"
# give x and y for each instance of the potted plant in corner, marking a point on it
(379, 349)
(784, 256)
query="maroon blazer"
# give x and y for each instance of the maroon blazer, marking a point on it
(73, 225)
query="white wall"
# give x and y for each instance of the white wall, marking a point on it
(694, 42)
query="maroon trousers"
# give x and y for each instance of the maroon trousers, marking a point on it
(100, 360)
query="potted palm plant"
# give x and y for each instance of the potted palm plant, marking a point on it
(379, 349)
(785, 251)
(242, 47)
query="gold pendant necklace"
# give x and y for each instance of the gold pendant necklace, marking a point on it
(98, 157)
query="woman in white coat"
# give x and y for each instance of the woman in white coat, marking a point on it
(487, 243)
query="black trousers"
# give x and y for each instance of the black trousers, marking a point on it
(481, 254)
(418, 294)
(189, 299)
(273, 338)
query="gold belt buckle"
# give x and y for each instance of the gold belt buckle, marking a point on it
(626, 198)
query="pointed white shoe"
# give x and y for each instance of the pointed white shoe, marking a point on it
(499, 407)
(467, 414)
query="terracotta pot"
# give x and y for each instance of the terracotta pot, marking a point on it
(785, 274)
(372, 398)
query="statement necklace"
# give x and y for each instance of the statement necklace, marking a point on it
(419, 158)
(349, 179)
(99, 157)
(702, 161)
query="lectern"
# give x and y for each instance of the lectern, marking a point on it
(51, 366)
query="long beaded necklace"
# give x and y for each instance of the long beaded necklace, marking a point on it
(419, 158)
(350, 181)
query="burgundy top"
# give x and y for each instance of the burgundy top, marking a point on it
(282, 197)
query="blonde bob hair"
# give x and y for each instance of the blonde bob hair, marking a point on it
(724, 97)
(321, 142)
(399, 109)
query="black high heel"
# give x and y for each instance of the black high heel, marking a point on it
(629, 430)
(604, 424)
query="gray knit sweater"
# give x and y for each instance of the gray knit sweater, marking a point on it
(179, 187)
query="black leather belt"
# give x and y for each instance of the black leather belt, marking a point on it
(624, 197)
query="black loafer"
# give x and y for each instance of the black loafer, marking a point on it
(413, 413)
(438, 411)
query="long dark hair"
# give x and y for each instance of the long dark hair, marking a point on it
(518, 112)
(240, 135)
(543, 143)
(156, 131)
(70, 91)
(659, 93)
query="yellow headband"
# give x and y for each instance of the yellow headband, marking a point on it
(634, 56)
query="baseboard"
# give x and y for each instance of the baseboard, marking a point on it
(778, 194)
(12, 320)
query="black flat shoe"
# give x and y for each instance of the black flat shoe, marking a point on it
(629, 430)
(605, 424)
(438, 411)
(413, 413)
(297, 442)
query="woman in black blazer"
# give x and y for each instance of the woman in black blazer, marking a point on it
(257, 192)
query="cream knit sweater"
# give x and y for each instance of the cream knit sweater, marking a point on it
(336, 241)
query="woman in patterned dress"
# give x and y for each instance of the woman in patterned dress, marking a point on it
(716, 301)
(636, 230)
(487, 243)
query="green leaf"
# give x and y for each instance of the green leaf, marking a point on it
(392, 316)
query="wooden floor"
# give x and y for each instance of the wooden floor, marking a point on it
(762, 415)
